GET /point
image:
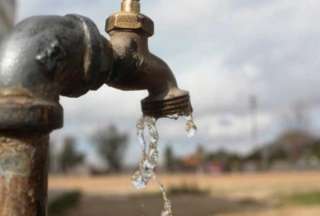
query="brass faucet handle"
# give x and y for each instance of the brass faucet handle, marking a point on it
(130, 18)
(130, 6)
(130, 21)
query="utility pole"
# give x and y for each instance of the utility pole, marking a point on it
(253, 103)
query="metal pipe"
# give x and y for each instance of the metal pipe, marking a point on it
(136, 68)
(23, 173)
(42, 58)
(45, 57)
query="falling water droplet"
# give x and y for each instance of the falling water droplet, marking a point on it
(150, 159)
(140, 133)
(174, 116)
(167, 208)
(154, 156)
(138, 181)
(191, 127)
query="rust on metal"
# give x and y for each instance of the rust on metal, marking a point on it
(67, 56)
(175, 106)
(23, 174)
(29, 114)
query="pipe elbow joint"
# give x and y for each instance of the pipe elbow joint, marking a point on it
(45, 57)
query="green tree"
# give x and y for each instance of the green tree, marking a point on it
(69, 157)
(111, 145)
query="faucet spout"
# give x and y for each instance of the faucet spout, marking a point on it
(136, 68)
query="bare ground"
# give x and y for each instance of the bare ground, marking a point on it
(232, 195)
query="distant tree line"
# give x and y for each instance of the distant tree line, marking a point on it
(293, 148)
(110, 146)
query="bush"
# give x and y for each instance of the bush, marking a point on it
(305, 198)
(188, 189)
(63, 203)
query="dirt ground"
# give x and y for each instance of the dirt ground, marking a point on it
(230, 195)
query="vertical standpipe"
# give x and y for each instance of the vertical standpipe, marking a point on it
(23, 173)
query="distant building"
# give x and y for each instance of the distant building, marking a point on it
(7, 14)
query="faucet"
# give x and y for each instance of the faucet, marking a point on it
(136, 68)
(46, 57)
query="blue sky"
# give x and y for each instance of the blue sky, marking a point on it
(222, 52)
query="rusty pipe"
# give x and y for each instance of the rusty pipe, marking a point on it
(42, 58)
(23, 173)
(48, 56)
(45, 57)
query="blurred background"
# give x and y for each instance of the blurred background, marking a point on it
(251, 68)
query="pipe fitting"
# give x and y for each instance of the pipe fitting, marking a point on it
(48, 56)
(130, 6)
(45, 57)
(130, 18)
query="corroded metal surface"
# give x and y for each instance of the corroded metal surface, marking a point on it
(175, 106)
(23, 174)
(45, 57)
(50, 56)
(28, 114)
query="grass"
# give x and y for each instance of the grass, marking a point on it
(276, 193)
(182, 189)
(188, 189)
(304, 198)
(64, 202)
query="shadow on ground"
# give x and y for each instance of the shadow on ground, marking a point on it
(151, 205)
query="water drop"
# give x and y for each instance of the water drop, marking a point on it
(152, 130)
(174, 116)
(138, 181)
(191, 127)
(150, 159)
(166, 213)
(140, 133)
(140, 124)
(154, 156)
(167, 209)
(147, 168)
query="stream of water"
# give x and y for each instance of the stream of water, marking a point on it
(150, 155)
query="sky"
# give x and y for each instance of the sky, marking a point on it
(223, 52)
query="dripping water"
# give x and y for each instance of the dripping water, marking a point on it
(191, 127)
(150, 155)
